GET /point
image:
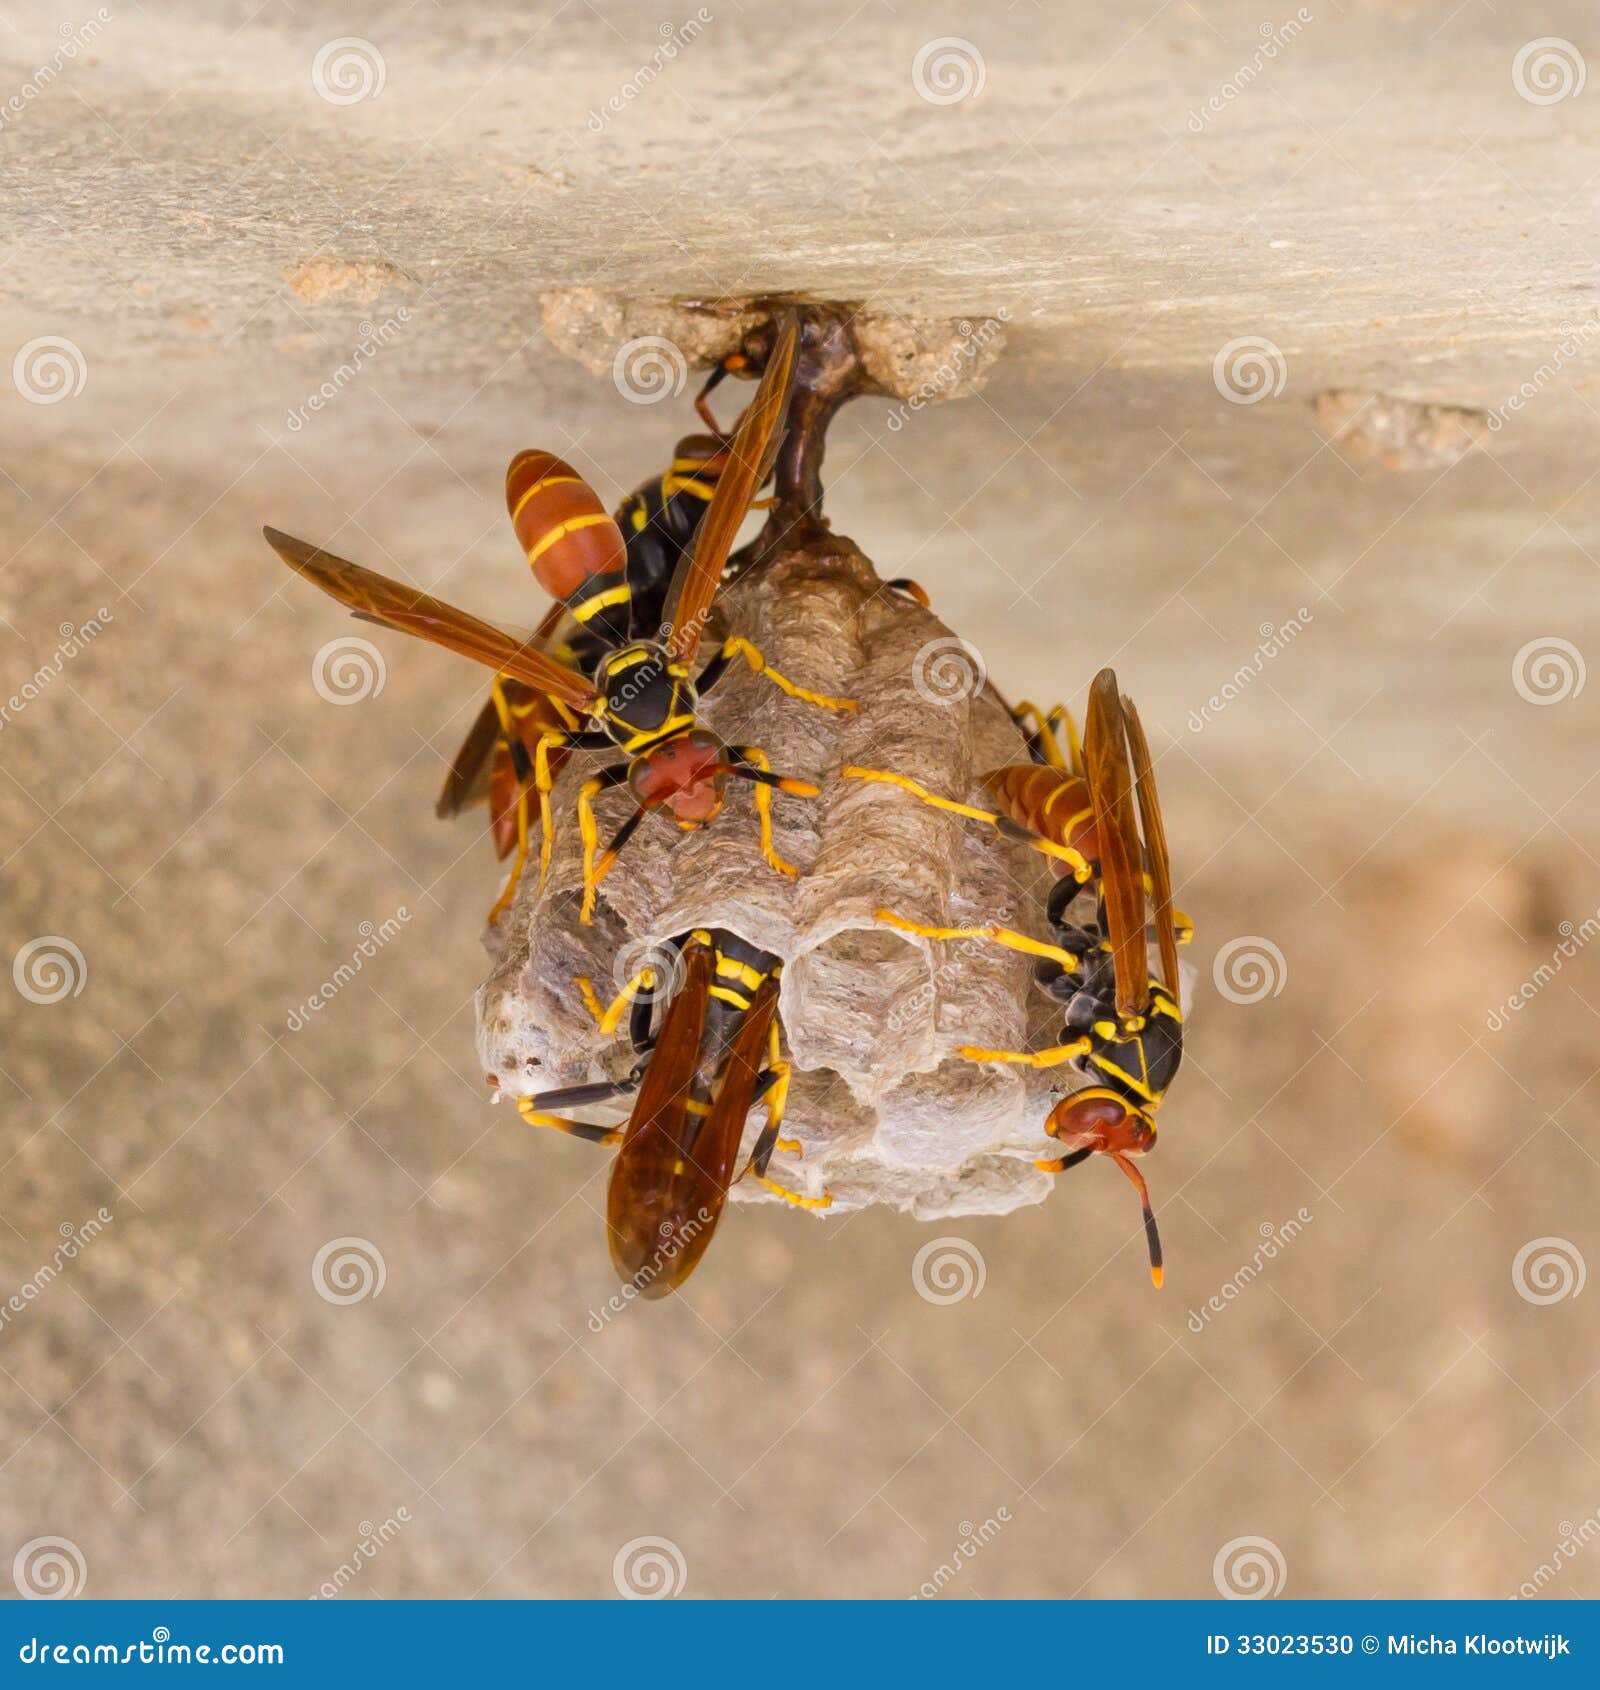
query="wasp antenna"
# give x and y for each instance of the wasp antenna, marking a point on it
(1152, 1236)
(784, 783)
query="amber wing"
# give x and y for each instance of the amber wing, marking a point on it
(1155, 845)
(695, 583)
(1105, 746)
(395, 605)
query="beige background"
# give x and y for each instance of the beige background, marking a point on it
(1381, 802)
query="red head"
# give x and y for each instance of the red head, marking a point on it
(1098, 1121)
(686, 777)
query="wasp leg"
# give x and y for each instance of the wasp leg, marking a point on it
(575, 1097)
(774, 1086)
(544, 784)
(750, 762)
(740, 647)
(1012, 940)
(780, 1098)
(615, 775)
(1041, 727)
(1053, 1057)
(1060, 1164)
(1002, 824)
(514, 879)
(1183, 927)
(607, 1020)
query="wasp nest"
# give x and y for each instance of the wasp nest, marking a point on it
(883, 1107)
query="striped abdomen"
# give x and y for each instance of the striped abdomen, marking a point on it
(574, 546)
(1051, 802)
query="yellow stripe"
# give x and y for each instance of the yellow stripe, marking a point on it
(740, 971)
(674, 725)
(728, 995)
(549, 481)
(601, 601)
(671, 484)
(1106, 1067)
(561, 531)
(623, 659)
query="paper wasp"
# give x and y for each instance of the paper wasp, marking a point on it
(638, 695)
(1123, 1027)
(658, 521)
(716, 1054)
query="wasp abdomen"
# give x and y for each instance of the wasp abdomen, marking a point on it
(572, 542)
(1050, 802)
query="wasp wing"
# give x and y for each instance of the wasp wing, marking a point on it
(467, 783)
(378, 599)
(644, 1199)
(698, 575)
(1155, 845)
(1105, 747)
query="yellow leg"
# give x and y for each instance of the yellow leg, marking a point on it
(738, 647)
(1006, 936)
(1051, 1058)
(825, 1201)
(756, 756)
(590, 1002)
(1012, 830)
(576, 1129)
(544, 783)
(514, 879)
(643, 981)
(590, 834)
(778, 1097)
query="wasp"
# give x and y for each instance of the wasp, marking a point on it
(717, 1053)
(636, 695)
(495, 764)
(1123, 1026)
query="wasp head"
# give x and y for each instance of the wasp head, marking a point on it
(1099, 1120)
(686, 777)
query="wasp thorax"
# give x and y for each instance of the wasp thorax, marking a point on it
(645, 692)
